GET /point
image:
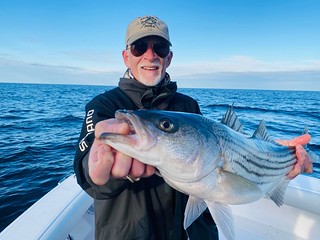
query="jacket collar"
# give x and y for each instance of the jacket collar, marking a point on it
(148, 97)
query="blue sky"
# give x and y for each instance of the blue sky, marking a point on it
(251, 44)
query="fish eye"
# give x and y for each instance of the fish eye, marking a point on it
(166, 125)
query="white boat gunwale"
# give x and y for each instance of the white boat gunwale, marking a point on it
(66, 213)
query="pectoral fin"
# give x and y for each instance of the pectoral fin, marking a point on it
(234, 189)
(220, 213)
(222, 216)
(194, 208)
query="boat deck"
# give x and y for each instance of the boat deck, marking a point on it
(66, 212)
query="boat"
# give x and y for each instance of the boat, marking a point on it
(66, 212)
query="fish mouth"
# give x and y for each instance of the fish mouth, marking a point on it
(139, 135)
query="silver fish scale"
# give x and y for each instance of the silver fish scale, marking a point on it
(260, 167)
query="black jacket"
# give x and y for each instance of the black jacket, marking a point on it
(147, 209)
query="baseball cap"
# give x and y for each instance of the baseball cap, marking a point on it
(146, 26)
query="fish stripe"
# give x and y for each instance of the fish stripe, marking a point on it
(258, 166)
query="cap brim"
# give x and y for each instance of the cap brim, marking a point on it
(146, 34)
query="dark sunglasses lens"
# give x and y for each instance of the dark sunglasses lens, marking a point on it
(161, 49)
(138, 49)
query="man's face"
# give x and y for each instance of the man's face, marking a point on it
(148, 68)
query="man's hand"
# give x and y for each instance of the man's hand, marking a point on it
(105, 162)
(304, 163)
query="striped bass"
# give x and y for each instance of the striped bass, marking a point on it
(214, 163)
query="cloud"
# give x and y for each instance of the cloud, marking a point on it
(242, 64)
(23, 72)
(245, 72)
(290, 80)
(57, 67)
(236, 72)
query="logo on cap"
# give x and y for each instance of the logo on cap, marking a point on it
(149, 22)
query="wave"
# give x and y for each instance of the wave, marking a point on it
(12, 117)
(27, 154)
(61, 120)
(71, 118)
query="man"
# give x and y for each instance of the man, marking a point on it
(131, 202)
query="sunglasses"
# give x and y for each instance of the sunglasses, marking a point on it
(140, 47)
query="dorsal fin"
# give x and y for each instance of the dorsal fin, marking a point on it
(231, 120)
(305, 130)
(262, 133)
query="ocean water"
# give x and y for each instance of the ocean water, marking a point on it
(40, 125)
